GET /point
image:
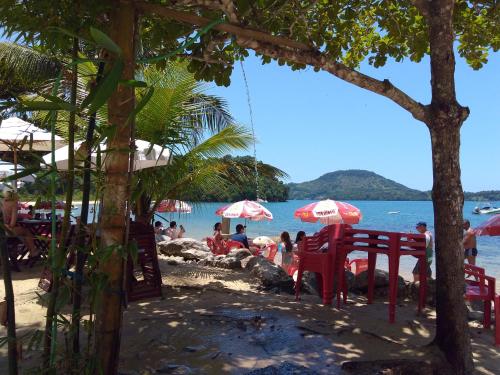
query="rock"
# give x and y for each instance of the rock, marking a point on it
(239, 254)
(171, 368)
(193, 254)
(227, 262)
(403, 287)
(361, 280)
(177, 246)
(270, 275)
(413, 291)
(286, 368)
(245, 261)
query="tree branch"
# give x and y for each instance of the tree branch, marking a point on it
(298, 53)
(161, 10)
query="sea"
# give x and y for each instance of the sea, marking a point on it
(399, 216)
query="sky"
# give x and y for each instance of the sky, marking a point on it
(309, 123)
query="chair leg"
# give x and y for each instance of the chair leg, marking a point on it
(393, 286)
(497, 320)
(372, 261)
(487, 314)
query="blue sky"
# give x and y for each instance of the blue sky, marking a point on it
(310, 123)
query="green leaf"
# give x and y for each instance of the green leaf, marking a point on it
(68, 33)
(142, 103)
(104, 89)
(133, 83)
(105, 41)
(37, 105)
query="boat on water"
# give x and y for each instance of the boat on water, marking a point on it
(393, 212)
(486, 209)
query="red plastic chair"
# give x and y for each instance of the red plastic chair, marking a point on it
(311, 258)
(360, 265)
(481, 289)
(224, 247)
(272, 249)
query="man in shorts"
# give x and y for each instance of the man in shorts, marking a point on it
(429, 244)
(470, 247)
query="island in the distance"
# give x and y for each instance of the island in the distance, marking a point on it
(357, 184)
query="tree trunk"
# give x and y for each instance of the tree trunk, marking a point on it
(445, 120)
(120, 105)
(9, 298)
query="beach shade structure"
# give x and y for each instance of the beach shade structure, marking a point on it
(329, 212)
(17, 136)
(245, 210)
(146, 155)
(490, 227)
(172, 205)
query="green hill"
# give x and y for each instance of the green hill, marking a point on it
(354, 185)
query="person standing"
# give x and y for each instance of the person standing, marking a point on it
(429, 245)
(9, 213)
(470, 246)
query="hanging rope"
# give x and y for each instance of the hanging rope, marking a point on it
(253, 133)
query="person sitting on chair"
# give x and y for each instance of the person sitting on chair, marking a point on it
(9, 214)
(240, 236)
(173, 232)
(159, 232)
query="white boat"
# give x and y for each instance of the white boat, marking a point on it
(393, 212)
(486, 209)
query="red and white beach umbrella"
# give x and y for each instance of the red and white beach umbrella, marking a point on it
(47, 205)
(245, 210)
(329, 212)
(490, 227)
(172, 205)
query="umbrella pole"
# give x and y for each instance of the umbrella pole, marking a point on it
(15, 167)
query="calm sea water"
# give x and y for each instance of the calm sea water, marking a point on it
(376, 215)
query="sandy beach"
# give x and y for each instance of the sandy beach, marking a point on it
(215, 321)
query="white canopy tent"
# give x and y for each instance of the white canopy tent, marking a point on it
(17, 135)
(146, 155)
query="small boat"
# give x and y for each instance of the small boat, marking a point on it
(486, 209)
(393, 212)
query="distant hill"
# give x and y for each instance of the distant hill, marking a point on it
(354, 185)
(357, 184)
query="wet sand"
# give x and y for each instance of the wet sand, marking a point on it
(217, 321)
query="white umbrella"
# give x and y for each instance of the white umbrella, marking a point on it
(18, 135)
(145, 155)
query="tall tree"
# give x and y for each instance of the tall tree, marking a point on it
(336, 37)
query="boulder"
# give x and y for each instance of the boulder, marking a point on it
(221, 261)
(187, 248)
(269, 274)
(361, 280)
(239, 254)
